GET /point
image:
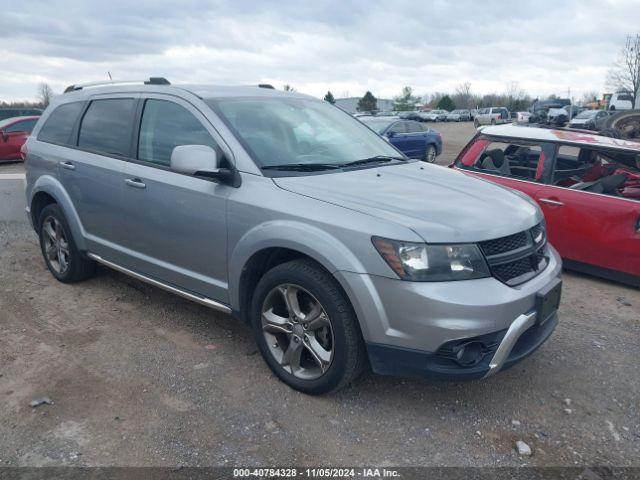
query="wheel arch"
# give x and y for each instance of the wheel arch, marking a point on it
(48, 190)
(266, 246)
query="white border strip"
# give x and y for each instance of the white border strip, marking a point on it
(12, 176)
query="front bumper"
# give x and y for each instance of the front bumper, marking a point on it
(512, 345)
(408, 326)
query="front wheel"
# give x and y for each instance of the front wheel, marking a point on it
(430, 154)
(306, 329)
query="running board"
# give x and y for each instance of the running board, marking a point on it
(189, 296)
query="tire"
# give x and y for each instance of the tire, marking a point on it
(430, 154)
(476, 123)
(493, 121)
(342, 351)
(56, 239)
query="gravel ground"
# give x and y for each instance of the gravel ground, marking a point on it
(140, 377)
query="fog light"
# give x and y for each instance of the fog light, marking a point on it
(469, 354)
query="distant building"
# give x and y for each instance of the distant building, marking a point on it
(350, 105)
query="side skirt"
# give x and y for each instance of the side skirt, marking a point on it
(208, 302)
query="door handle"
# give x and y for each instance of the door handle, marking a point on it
(135, 183)
(548, 201)
(68, 165)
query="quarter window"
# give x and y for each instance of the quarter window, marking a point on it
(59, 125)
(166, 125)
(106, 126)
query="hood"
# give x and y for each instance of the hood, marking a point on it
(440, 204)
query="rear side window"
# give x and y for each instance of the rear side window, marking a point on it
(166, 125)
(106, 126)
(59, 125)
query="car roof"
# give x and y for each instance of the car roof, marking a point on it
(201, 91)
(556, 135)
(8, 121)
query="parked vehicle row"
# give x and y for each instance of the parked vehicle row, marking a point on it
(588, 187)
(293, 216)
(19, 112)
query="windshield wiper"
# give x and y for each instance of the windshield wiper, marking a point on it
(302, 167)
(376, 159)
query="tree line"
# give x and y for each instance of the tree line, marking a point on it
(513, 98)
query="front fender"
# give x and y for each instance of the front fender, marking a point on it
(52, 186)
(314, 242)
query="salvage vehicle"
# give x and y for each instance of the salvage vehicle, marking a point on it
(587, 185)
(590, 120)
(413, 139)
(291, 215)
(458, 116)
(491, 116)
(13, 133)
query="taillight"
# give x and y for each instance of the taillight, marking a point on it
(23, 152)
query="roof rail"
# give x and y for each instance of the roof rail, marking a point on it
(266, 85)
(150, 81)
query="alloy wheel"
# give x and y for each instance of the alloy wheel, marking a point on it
(297, 331)
(56, 246)
(430, 154)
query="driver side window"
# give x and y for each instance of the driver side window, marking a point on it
(166, 125)
(400, 127)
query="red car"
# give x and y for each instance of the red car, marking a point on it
(588, 187)
(13, 133)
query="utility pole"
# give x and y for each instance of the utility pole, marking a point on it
(570, 103)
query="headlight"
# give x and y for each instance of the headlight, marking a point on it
(420, 262)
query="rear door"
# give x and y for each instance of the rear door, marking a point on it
(92, 173)
(590, 228)
(176, 223)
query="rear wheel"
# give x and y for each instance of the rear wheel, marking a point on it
(306, 329)
(476, 123)
(430, 154)
(493, 121)
(59, 250)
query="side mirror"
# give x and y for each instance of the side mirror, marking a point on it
(390, 134)
(199, 160)
(202, 161)
(5, 137)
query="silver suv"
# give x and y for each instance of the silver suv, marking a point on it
(296, 218)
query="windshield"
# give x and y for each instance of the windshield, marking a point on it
(283, 131)
(587, 114)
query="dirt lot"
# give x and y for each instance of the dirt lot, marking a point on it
(138, 376)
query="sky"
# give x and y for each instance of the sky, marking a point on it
(346, 46)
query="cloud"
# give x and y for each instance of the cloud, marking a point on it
(345, 46)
